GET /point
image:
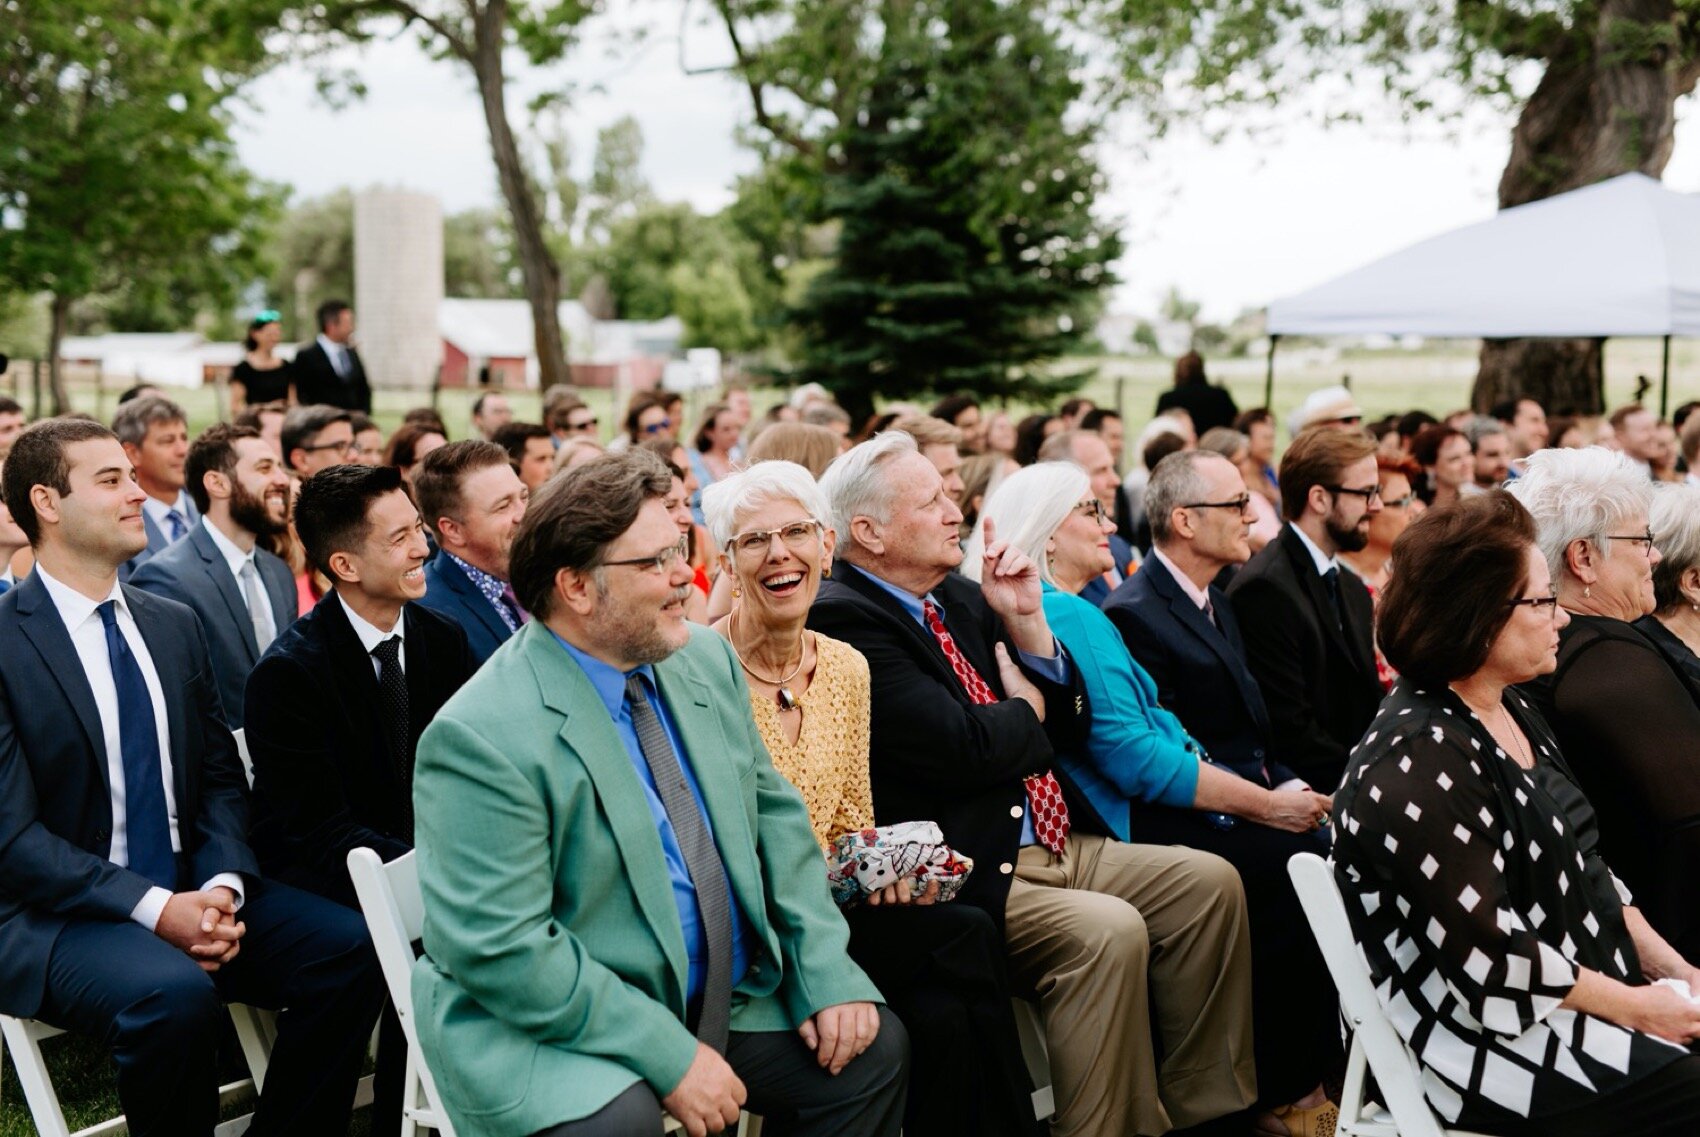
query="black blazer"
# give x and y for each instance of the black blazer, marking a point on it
(1208, 405)
(1318, 680)
(316, 381)
(323, 781)
(55, 800)
(934, 755)
(194, 572)
(1199, 668)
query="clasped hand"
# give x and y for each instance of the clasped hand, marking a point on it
(203, 924)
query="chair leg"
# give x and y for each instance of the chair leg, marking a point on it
(1352, 1089)
(411, 1098)
(33, 1078)
(255, 1030)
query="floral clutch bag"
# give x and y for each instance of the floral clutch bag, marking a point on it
(867, 860)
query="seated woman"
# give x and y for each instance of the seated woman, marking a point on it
(940, 967)
(1505, 952)
(1623, 714)
(1674, 626)
(1372, 563)
(1151, 781)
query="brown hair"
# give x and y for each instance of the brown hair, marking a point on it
(38, 459)
(1454, 569)
(400, 452)
(1425, 446)
(213, 451)
(1317, 458)
(437, 482)
(811, 447)
(1621, 415)
(640, 402)
(709, 414)
(927, 430)
(1401, 465)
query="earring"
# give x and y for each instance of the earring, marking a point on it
(735, 592)
(826, 571)
(1587, 591)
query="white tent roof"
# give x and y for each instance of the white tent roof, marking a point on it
(1619, 258)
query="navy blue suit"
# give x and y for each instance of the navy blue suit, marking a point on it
(194, 572)
(450, 591)
(71, 955)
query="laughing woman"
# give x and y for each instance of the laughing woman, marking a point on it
(939, 966)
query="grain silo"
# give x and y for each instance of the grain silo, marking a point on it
(398, 286)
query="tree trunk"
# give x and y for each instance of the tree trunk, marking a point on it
(1600, 110)
(537, 265)
(60, 311)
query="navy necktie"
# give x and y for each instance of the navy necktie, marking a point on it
(146, 821)
(1332, 579)
(392, 700)
(5, 587)
(178, 525)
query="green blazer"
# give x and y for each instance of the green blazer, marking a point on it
(554, 970)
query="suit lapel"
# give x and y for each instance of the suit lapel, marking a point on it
(1235, 659)
(859, 582)
(46, 632)
(218, 572)
(458, 582)
(1322, 604)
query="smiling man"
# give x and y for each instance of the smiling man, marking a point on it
(470, 496)
(622, 895)
(243, 594)
(155, 436)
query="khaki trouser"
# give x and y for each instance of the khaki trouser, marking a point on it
(1127, 944)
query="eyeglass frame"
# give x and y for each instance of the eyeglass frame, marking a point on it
(1647, 539)
(1100, 512)
(1550, 603)
(660, 562)
(1368, 493)
(352, 446)
(1399, 502)
(768, 535)
(589, 424)
(1238, 505)
(658, 426)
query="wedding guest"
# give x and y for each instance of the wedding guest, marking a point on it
(368, 439)
(1207, 404)
(261, 376)
(963, 412)
(1507, 955)
(1000, 434)
(1444, 455)
(711, 451)
(1371, 564)
(811, 447)
(408, 447)
(1674, 626)
(1236, 448)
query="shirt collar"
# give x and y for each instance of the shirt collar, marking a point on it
(912, 604)
(330, 346)
(75, 608)
(1194, 593)
(370, 637)
(1323, 563)
(609, 681)
(233, 556)
(491, 586)
(157, 509)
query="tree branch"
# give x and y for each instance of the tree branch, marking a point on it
(412, 13)
(758, 90)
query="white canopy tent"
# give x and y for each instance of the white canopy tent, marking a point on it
(1619, 258)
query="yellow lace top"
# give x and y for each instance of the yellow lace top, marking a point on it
(829, 761)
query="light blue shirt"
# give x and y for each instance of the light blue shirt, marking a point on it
(610, 685)
(1056, 668)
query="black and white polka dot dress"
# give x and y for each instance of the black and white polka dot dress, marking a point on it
(1475, 891)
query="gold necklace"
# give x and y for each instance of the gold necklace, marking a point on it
(1511, 730)
(785, 698)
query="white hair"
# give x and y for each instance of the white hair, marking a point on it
(1025, 509)
(727, 501)
(1584, 494)
(1675, 520)
(856, 485)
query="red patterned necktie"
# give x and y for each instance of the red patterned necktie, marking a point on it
(1044, 794)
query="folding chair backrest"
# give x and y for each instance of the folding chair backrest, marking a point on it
(241, 737)
(1392, 1063)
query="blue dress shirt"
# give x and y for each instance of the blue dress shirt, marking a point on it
(610, 685)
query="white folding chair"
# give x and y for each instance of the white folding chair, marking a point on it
(1038, 1056)
(1375, 1044)
(241, 737)
(25, 1036)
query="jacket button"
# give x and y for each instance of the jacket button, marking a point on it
(1006, 868)
(1015, 811)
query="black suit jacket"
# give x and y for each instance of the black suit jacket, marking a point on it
(316, 381)
(1199, 668)
(1208, 405)
(323, 780)
(194, 572)
(1318, 679)
(55, 799)
(934, 755)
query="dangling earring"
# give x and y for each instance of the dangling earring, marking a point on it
(826, 571)
(735, 592)
(1587, 591)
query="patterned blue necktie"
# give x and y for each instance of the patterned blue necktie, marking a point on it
(178, 525)
(147, 823)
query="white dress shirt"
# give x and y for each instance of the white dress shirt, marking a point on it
(370, 637)
(1323, 561)
(156, 511)
(82, 621)
(1197, 595)
(337, 353)
(236, 559)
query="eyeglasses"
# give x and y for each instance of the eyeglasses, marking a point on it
(798, 535)
(344, 447)
(1094, 509)
(1343, 420)
(1550, 603)
(1398, 502)
(584, 424)
(1369, 493)
(1238, 505)
(662, 561)
(658, 426)
(1645, 540)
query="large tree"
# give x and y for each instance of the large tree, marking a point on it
(946, 139)
(117, 171)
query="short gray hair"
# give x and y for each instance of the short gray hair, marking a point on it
(1026, 508)
(1059, 447)
(1176, 481)
(856, 484)
(133, 419)
(727, 501)
(1580, 495)
(1483, 426)
(826, 414)
(1675, 520)
(1224, 440)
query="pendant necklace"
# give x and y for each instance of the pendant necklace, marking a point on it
(785, 698)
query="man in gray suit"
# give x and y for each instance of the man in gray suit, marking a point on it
(243, 594)
(155, 435)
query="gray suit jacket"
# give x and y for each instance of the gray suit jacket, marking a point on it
(194, 572)
(158, 540)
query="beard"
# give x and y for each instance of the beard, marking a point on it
(252, 513)
(631, 634)
(1347, 539)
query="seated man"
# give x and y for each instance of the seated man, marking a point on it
(622, 896)
(130, 904)
(469, 495)
(155, 435)
(243, 594)
(969, 691)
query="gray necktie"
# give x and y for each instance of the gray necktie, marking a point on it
(702, 860)
(259, 611)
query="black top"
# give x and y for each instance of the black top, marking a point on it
(1676, 652)
(1475, 889)
(1208, 405)
(268, 386)
(1629, 723)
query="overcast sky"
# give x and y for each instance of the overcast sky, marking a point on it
(1235, 224)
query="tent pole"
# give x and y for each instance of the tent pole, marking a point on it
(1664, 383)
(1269, 375)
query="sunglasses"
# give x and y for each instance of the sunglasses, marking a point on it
(584, 424)
(658, 426)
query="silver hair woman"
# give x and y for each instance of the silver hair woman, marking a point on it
(1626, 717)
(1138, 756)
(1675, 623)
(809, 694)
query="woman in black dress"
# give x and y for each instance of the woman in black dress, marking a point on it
(1506, 954)
(1624, 714)
(261, 377)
